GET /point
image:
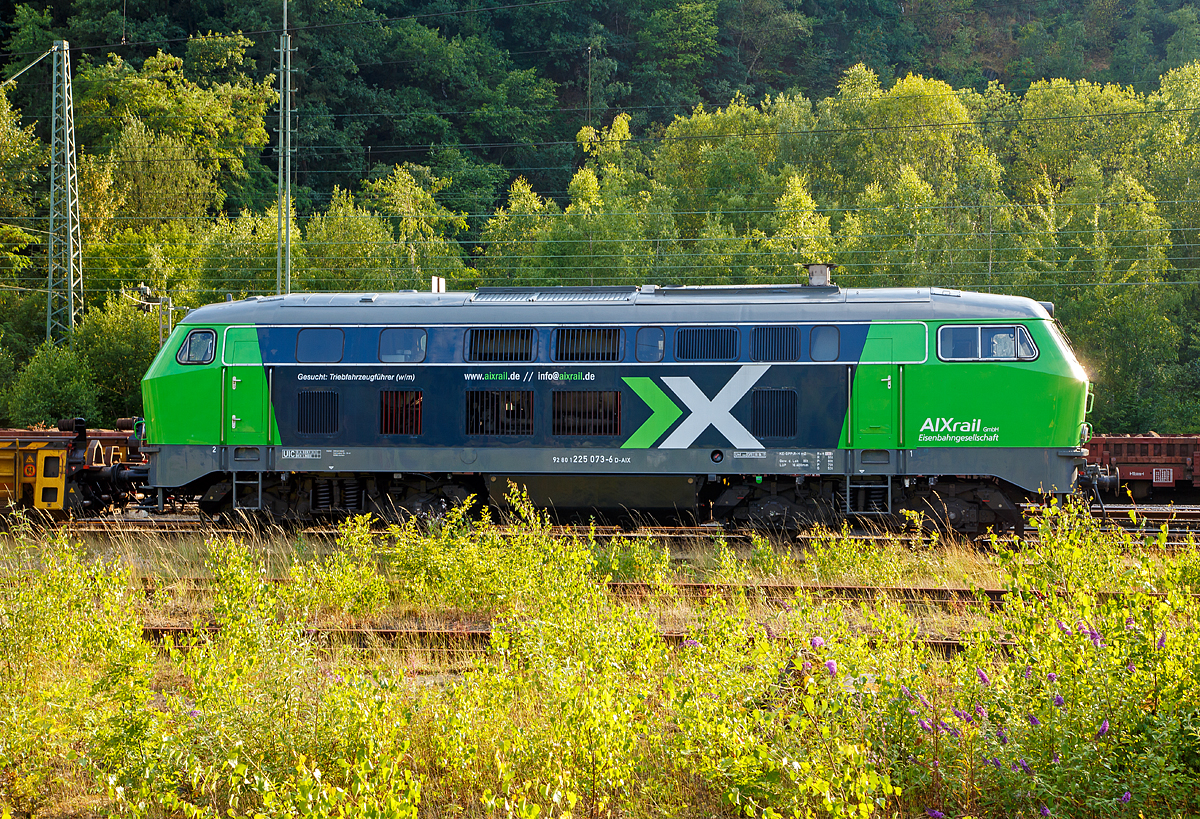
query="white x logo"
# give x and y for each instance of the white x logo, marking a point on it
(714, 413)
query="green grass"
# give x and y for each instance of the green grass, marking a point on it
(579, 706)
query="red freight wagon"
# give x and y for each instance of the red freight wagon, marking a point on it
(1145, 461)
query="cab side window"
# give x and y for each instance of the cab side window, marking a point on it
(199, 347)
(981, 343)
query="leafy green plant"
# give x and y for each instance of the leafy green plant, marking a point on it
(346, 582)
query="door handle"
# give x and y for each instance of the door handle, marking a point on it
(235, 419)
(235, 382)
(888, 380)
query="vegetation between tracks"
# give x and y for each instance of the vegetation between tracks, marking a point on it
(580, 708)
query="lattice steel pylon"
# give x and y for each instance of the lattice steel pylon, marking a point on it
(64, 290)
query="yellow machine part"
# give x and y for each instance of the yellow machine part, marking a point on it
(51, 479)
(33, 469)
(10, 484)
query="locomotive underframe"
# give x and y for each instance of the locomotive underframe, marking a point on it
(949, 487)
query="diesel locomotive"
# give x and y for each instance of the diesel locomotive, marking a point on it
(772, 404)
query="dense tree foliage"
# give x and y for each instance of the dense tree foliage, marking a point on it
(1048, 149)
(56, 383)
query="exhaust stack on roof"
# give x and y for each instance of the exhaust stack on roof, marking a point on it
(818, 274)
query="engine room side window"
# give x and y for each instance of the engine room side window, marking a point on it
(651, 343)
(824, 343)
(320, 345)
(402, 345)
(200, 347)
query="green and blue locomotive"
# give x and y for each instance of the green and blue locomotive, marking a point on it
(764, 404)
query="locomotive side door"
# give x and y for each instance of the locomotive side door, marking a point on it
(244, 388)
(876, 397)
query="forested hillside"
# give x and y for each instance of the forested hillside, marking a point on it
(1047, 149)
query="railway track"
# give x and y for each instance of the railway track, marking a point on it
(462, 640)
(475, 636)
(1183, 524)
(770, 593)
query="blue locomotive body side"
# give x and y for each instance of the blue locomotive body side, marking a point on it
(359, 377)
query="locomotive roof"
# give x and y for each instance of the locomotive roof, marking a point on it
(645, 304)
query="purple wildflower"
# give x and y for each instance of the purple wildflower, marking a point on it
(1125, 797)
(1024, 765)
(1063, 626)
(1129, 624)
(963, 715)
(817, 642)
(1131, 668)
(983, 677)
(1056, 759)
(913, 711)
(1162, 639)
(1000, 735)
(770, 632)
(1034, 721)
(690, 643)
(831, 665)
(924, 701)
(807, 667)
(980, 712)
(935, 814)
(925, 726)
(949, 729)
(1097, 639)
(1051, 677)
(1045, 811)
(1103, 729)
(193, 713)
(1058, 700)
(1028, 671)
(904, 690)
